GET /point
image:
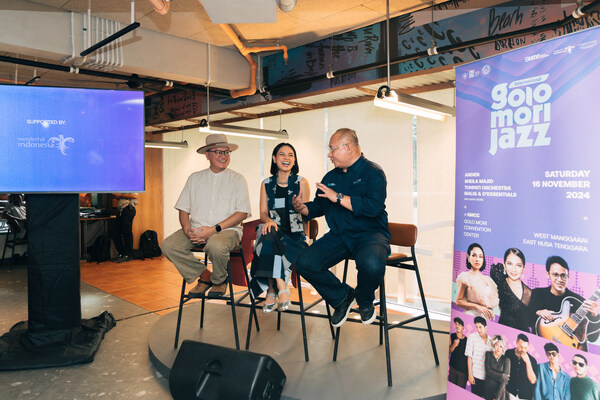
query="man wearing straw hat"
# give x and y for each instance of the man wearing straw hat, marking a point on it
(211, 207)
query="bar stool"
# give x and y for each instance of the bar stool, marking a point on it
(313, 231)
(404, 235)
(237, 274)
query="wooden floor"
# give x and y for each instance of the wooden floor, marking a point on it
(153, 284)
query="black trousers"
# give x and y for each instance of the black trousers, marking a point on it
(122, 233)
(479, 387)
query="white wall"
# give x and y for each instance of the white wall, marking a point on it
(436, 158)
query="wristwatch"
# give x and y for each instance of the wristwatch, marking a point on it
(218, 228)
(339, 198)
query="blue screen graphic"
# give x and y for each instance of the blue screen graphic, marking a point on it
(66, 140)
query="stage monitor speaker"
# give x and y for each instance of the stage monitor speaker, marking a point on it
(203, 371)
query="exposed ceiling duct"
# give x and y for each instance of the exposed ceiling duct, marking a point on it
(55, 36)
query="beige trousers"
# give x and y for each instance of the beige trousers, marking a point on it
(178, 249)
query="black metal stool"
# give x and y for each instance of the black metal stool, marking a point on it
(313, 230)
(402, 235)
(237, 275)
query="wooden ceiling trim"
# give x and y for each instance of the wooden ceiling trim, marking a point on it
(299, 105)
(368, 91)
(244, 115)
(334, 103)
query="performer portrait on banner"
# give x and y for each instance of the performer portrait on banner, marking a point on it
(513, 294)
(582, 386)
(478, 344)
(497, 370)
(551, 309)
(477, 293)
(458, 370)
(523, 370)
(553, 381)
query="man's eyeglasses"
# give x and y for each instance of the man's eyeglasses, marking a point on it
(220, 152)
(563, 277)
(332, 149)
(552, 354)
(575, 363)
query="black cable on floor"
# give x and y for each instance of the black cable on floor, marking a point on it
(145, 313)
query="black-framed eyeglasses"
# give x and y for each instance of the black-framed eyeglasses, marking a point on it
(563, 277)
(220, 152)
(552, 354)
(575, 363)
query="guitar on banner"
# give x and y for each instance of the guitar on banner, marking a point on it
(570, 324)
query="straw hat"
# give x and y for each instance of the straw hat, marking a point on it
(216, 140)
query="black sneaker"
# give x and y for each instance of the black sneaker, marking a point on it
(123, 259)
(341, 313)
(367, 315)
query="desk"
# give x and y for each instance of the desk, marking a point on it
(83, 231)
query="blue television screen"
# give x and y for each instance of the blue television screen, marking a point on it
(67, 140)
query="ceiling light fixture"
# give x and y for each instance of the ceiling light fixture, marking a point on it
(159, 144)
(388, 98)
(286, 5)
(207, 127)
(242, 131)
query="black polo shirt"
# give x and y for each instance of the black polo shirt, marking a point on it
(366, 184)
(518, 384)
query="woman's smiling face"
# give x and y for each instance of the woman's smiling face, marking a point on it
(514, 267)
(285, 158)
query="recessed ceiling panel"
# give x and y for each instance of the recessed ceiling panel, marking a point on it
(240, 11)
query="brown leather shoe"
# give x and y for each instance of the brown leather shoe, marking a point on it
(200, 289)
(218, 290)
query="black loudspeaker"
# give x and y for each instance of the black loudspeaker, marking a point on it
(203, 371)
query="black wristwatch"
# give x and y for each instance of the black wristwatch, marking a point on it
(218, 228)
(339, 198)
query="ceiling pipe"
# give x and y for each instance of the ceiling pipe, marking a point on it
(109, 75)
(160, 6)
(110, 39)
(245, 51)
(236, 41)
(579, 12)
(12, 81)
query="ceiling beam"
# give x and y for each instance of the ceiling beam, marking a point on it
(244, 115)
(414, 90)
(299, 105)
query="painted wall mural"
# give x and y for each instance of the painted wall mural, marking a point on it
(454, 23)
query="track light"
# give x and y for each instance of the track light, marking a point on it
(233, 130)
(286, 5)
(159, 144)
(387, 98)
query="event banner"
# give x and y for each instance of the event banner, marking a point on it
(525, 313)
